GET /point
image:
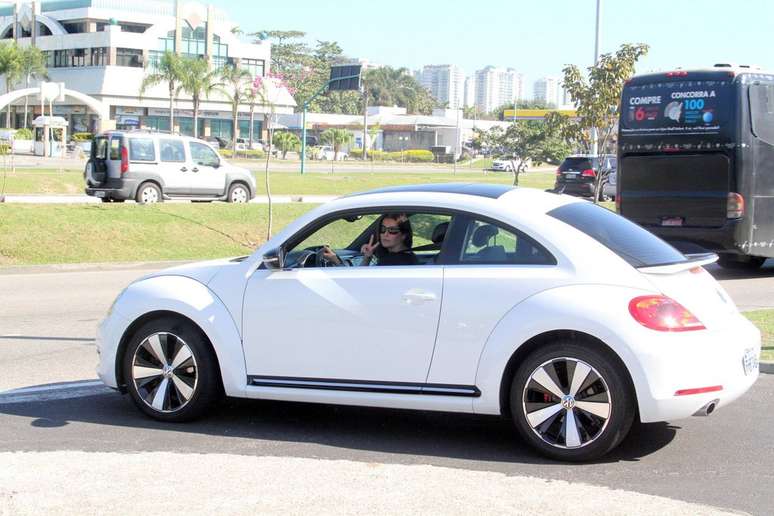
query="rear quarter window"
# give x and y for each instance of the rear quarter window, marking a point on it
(142, 149)
(635, 245)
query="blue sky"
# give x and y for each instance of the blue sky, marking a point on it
(535, 37)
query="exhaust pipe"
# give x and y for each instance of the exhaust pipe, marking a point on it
(707, 409)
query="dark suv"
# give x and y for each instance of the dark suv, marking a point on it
(577, 174)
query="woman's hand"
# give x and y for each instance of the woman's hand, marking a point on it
(330, 256)
(368, 250)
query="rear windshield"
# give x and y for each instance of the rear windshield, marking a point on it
(632, 243)
(575, 164)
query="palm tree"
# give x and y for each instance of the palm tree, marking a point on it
(199, 81)
(336, 138)
(169, 70)
(10, 67)
(33, 67)
(286, 141)
(251, 97)
(238, 82)
(395, 86)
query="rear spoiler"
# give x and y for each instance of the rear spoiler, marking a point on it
(693, 261)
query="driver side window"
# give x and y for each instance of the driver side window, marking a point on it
(339, 235)
(203, 155)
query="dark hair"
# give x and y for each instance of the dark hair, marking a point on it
(403, 223)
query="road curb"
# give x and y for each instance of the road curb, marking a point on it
(767, 367)
(90, 267)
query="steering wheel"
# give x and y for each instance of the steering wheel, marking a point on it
(304, 258)
(322, 261)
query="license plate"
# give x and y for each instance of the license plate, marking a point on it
(571, 174)
(99, 194)
(672, 221)
(750, 361)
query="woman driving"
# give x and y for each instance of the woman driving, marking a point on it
(391, 246)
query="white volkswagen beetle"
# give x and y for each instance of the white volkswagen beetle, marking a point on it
(544, 308)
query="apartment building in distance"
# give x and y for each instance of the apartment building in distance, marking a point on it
(105, 48)
(497, 86)
(446, 83)
(547, 90)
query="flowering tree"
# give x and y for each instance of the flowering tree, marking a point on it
(267, 90)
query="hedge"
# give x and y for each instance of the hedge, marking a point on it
(82, 137)
(23, 134)
(412, 155)
(248, 154)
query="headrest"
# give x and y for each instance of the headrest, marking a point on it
(439, 233)
(483, 234)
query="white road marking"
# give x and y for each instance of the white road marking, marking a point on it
(59, 391)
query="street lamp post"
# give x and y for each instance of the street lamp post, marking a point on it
(594, 137)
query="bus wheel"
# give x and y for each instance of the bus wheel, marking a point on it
(751, 263)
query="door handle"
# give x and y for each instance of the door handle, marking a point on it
(183, 169)
(418, 296)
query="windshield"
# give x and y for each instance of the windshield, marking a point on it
(689, 107)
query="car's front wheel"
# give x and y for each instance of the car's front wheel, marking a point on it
(238, 193)
(571, 402)
(170, 370)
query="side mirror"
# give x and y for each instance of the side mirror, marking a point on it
(274, 259)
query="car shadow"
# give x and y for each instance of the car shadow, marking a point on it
(335, 428)
(765, 271)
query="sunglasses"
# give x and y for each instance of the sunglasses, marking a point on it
(393, 230)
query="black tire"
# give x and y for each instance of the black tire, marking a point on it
(192, 386)
(605, 390)
(106, 199)
(148, 193)
(740, 264)
(238, 193)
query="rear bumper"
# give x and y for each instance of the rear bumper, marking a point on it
(722, 239)
(582, 189)
(114, 189)
(708, 358)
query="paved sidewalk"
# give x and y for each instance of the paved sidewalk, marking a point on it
(86, 199)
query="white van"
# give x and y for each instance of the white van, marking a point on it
(151, 167)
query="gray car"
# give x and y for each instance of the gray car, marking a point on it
(151, 167)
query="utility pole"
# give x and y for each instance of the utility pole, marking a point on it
(594, 137)
(365, 121)
(456, 143)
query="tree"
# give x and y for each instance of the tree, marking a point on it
(33, 67)
(237, 82)
(286, 142)
(11, 68)
(199, 81)
(536, 141)
(336, 138)
(598, 97)
(169, 70)
(395, 87)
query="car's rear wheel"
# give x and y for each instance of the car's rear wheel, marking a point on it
(571, 402)
(148, 193)
(170, 370)
(238, 193)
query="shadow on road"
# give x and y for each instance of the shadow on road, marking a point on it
(255, 427)
(719, 273)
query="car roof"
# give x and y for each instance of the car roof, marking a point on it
(492, 191)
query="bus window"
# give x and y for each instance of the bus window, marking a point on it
(762, 111)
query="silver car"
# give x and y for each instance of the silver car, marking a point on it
(151, 167)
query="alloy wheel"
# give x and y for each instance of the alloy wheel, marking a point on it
(567, 403)
(149, 195)
(164, 372)
(239, 195)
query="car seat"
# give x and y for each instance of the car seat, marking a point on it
(488, 253)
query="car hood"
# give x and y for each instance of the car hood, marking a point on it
(203, 272)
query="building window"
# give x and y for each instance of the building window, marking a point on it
(99, 56)
(256, 67)
(78, 57)
(129, 57)
(75, 27)
(61, 58)
(154, 58)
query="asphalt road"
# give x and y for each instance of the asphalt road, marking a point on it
(61, 430)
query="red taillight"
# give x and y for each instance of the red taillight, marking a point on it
(678, 73)
(662, 313)
(124, 160)
(589, 172)
(618, 203)
(699, 390)
(558, 171)
(734, 206)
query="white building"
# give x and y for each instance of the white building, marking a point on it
(547, 90)
(470, 91)
(105, 48)
(446, 83)
(497, 86)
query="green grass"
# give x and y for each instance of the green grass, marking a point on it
(283, 183)
(764, 320)
(44, 234)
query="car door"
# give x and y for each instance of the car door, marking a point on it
(173, 166)
(342, 324)
(205, 175)
(490, 268)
